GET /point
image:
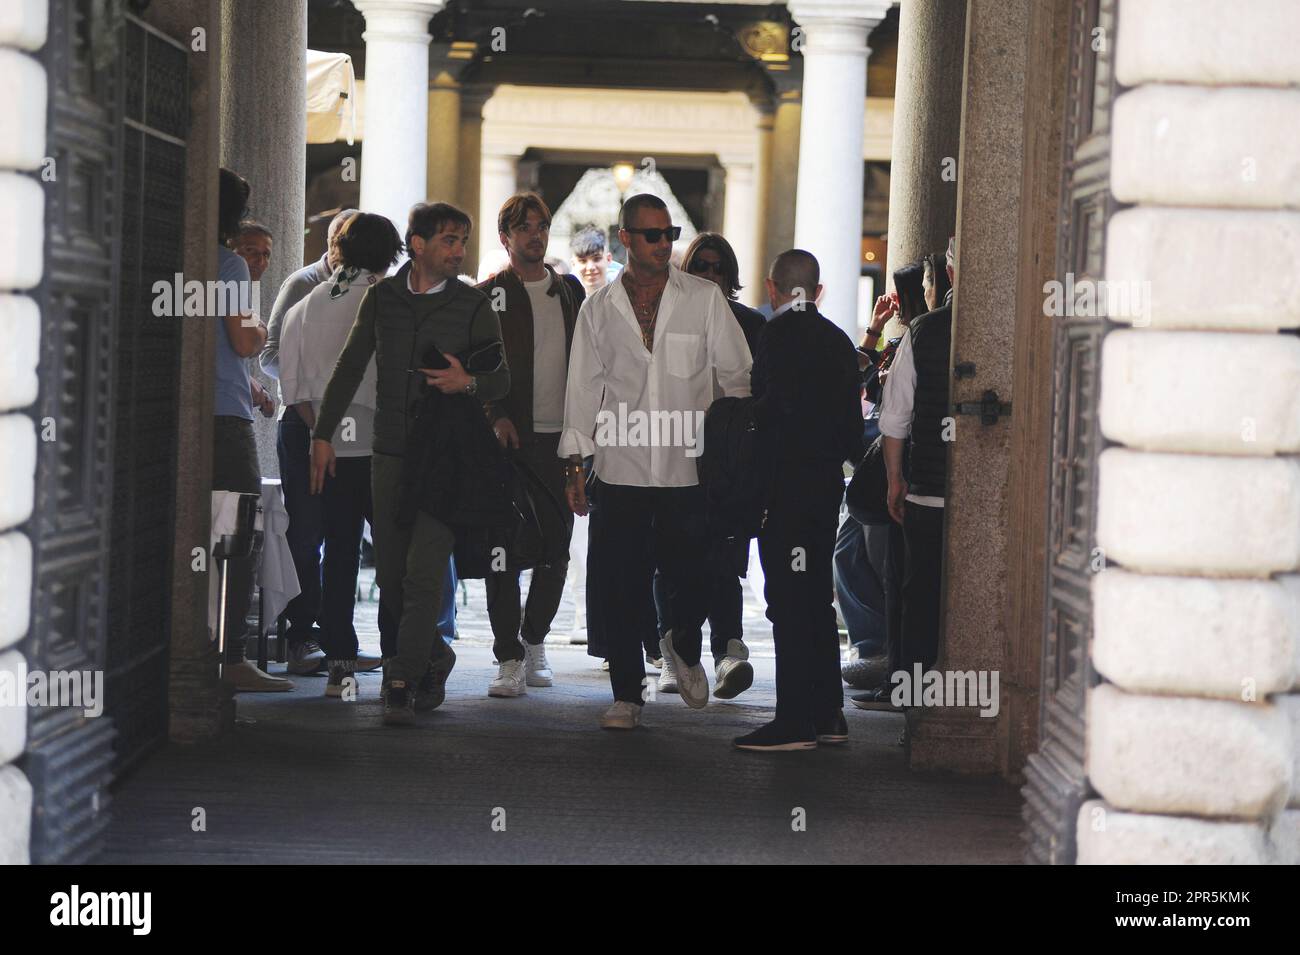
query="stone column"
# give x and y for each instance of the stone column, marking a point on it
(263, 107)
(828, 218)
(991, 167)
(443, 168)
(198, 706)
(394, 153)
(469, 162)
(22, 239)
(497, 183)
(927, 129)
(781, 169)
(739, 225)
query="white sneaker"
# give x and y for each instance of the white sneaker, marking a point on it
(667, 678)
(245, 677)
(537, 666)
(734, 673)
(621, 716)
(510, 680)
(692, 682)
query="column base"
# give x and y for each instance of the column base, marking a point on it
(957, 741)
(199, 706)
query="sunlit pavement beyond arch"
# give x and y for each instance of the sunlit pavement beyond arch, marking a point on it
(305, 779)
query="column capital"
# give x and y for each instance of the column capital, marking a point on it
(398, 21)
(835, 26)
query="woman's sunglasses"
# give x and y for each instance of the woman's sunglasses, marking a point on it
(699, 267)
(653, 236)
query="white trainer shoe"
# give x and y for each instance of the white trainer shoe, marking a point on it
(621, 716)
(734, 673)
(509, 681)
(667, 678)
(537, 666)
(692, 682)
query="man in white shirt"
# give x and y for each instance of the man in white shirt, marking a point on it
(645, 352)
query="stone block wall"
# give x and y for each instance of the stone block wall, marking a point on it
(1193, 740)
(23, 27)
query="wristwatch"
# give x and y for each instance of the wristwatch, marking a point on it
(472, 387)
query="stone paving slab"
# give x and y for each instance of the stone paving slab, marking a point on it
(305, 779)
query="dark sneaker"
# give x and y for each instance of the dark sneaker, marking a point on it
(399, 705)
(433, 685)
(771, 738)
(342, 676)
(834, 730)
(877, 699)
(865, 673)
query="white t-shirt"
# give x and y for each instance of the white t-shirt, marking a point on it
(549, 364)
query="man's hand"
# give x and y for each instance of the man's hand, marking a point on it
(264, 402)
(575, 492)
(322, 459)
(450, 381)
(506, 433)
(897, 497)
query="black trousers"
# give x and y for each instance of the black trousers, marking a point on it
(644, 528)
(797, 547)
(922, 585)
(726, 609)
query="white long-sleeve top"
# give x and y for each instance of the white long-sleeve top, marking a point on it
(642, 413)
(311, 339)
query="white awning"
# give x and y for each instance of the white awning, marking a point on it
(331, 97)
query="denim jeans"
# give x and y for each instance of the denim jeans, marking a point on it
(306, 529)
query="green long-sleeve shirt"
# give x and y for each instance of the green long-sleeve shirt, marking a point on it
(399, 328)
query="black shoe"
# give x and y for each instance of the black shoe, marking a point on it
(771, 738)
(399, 705)
(432, 690)
(877, 699)
(834, 730)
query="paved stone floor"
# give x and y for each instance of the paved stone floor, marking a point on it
(304, 779)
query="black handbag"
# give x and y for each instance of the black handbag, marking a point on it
(867, 496)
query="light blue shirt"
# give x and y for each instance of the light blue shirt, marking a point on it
(234, 389)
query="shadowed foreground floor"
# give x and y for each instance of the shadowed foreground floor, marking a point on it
(304, 779)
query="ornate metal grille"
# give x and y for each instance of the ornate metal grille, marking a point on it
(1056, 784)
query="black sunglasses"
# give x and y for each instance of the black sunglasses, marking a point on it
(699, 266)
(674, 232)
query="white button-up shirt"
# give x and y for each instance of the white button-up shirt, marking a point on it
(642, 413)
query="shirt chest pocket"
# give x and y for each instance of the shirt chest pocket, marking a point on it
(683, 354)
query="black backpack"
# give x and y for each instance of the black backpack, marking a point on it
(735, 471)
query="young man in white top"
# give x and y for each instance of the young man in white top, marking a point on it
(641, 373)
(537, 309)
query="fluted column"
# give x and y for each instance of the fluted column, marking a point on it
(828, 219)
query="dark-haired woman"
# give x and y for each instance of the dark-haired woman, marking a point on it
(311, 339)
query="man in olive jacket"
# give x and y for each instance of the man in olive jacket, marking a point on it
(537, 309)
(401, 319)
